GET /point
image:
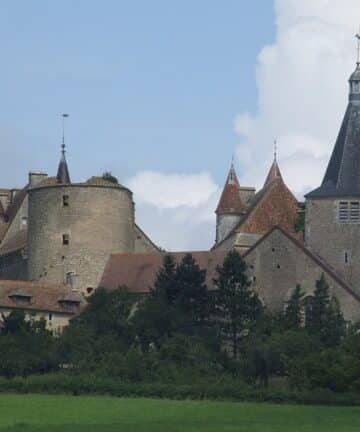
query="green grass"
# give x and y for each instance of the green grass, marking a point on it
(30, 413)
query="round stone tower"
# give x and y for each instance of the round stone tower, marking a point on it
(74, 227)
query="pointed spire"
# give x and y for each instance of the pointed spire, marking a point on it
(63, 172)
(354, 79)
(230, 201)
(274, 171)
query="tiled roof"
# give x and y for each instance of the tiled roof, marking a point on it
(274, 173)
(43, 296)
(230, 201)
(342, 176)
(273, 205)
(16, 242)
(138, 271)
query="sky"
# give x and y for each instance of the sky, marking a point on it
(162, 94)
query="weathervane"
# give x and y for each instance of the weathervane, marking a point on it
(358, 48)
(64, 116)
(275, 150)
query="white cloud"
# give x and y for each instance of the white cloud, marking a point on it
(176, 210)
(302, 91)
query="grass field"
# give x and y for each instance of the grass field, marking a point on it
(105, 414)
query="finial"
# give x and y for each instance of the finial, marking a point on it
(64, 116)
(275, 150)
(358, 48)
(232, 160)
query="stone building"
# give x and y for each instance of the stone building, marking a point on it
(264, 227)
(78, 236)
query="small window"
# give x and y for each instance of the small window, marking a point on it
(66, 239)
(24, 221)
(278, 266)
(70, 278)
(343, 211)
(65, 200)
(89, 290)
(346, 257)
(50, 317)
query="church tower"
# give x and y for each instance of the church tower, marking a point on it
(332, 227)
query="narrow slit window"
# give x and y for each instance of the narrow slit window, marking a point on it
(66, 239)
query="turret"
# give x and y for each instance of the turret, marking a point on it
(230, 208)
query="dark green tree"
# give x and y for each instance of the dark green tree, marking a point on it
(323, 316)
(293, 315)
(236, 306)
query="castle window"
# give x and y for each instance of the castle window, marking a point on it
(346, 257)
(66, 239)
(349, 212)
(89, 290)
(65, 200)
(70, 278)
(50, 317)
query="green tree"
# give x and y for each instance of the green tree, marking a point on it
(324, 318)
(293, 315)
(236, 306)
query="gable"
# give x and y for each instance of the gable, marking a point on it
(278, 262)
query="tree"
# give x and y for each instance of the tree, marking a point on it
(293, 315)
(236, 306)
(324, 318)
(165, 283)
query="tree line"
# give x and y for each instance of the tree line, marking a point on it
(183, 333)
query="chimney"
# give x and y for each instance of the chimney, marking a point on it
(35, 177)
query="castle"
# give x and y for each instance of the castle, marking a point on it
(61, 240)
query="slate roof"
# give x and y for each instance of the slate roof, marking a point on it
(138, 271)
(230, 201)
(47, 297)
(63, 175)
(16, 242)
(342, 176)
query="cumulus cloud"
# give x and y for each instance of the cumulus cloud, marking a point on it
(302, 91)
(176, 210)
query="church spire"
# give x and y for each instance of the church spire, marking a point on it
(274, 171)
(230, 201)
(63, 172)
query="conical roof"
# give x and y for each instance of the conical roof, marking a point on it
(63, 176)
(274, 173)
(230, 201)
(342, 176)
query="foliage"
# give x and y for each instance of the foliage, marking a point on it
(236, 306)
(109, 177)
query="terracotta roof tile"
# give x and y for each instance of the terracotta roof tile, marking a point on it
(230, 201)
(43, 296)
(138, 271)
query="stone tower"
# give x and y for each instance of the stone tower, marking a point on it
(333, 210)
(232, 205)
(74, 227)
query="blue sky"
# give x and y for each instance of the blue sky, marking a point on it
(162, 93)
(148, 85)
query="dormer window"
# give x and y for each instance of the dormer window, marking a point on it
(20, 297)
(349, 212)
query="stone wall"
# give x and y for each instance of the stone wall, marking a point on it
(13, 266)
(142, 242)
(277, 264)
(224, 224)
(98, 221)
(335, 242)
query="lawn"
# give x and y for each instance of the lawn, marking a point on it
(42, 413)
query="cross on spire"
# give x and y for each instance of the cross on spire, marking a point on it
(358, 48)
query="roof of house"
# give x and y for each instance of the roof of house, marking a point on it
(16, 242)
(138, 271)
(342, 176)
(273, 205)
(230, 201)
(63, 176)
(43, 296)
